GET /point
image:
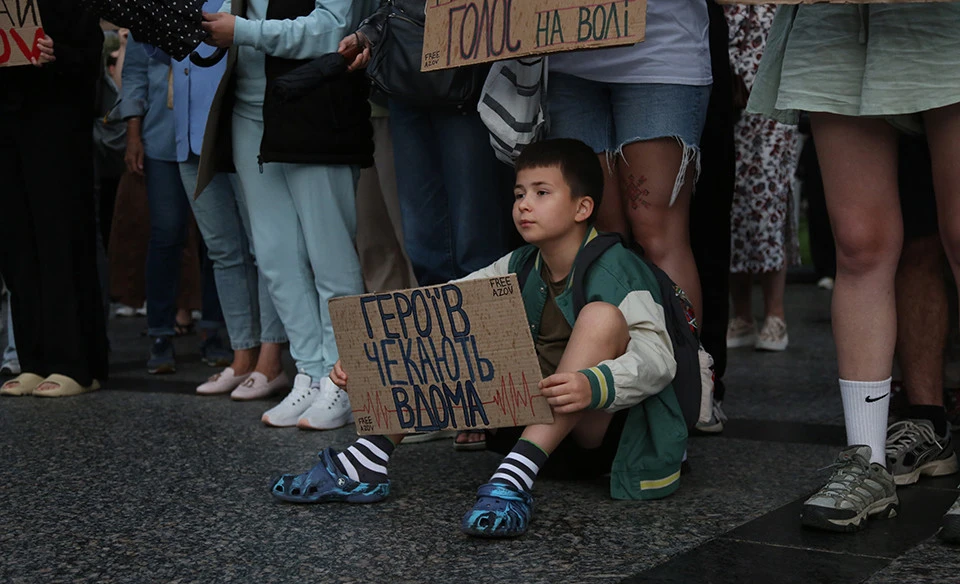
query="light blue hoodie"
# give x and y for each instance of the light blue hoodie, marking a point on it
(305, 37)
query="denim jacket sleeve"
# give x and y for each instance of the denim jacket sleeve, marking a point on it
(135, 81)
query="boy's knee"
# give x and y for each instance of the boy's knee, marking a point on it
(603, 318)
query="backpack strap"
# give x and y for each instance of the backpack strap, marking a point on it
(523, 274)
(589, 254)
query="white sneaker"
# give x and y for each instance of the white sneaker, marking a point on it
(125, 311)
(223, 382)
(741, 333)
(257, 386)
(286, 413)
(11, 367)
(142, 311)
(773, 335)
(330, 410)
(826, 283)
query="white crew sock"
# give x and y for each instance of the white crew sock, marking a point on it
(865, 408)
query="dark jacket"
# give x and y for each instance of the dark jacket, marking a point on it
(329, 126)
(72, 78)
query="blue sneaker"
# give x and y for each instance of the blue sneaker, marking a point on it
(325, 483)
(214, 353)
(162, 358)
(501, 511)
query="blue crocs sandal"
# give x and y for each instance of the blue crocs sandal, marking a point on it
(501, 511)
(325, 483)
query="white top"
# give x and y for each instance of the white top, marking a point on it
(676, 50)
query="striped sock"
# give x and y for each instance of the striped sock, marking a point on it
(519, 469)
(366, 460)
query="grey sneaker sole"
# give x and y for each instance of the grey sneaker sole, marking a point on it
(162, 369)
(841, 519)
(710, 427)
(779, 345)
(934, 468)
(744, 341)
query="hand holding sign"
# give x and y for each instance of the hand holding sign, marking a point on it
(21, 36)
(567, 393)
(45, 46)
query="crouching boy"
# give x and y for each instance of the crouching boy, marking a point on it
(607, 371)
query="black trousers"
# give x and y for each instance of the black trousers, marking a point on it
(48, 258)
(710, 212)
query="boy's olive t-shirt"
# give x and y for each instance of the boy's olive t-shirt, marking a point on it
(554, 329)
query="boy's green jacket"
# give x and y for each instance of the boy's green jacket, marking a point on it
(647, 464)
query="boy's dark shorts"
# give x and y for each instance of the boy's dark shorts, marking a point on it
(918, 205)
(569, 460)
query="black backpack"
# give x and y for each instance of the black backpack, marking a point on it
(680, 319)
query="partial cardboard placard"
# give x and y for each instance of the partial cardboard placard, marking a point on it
(457, 356)
(467, 32)
(829, 1)
(20, 29)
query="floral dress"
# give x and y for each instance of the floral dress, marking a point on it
(763, 222)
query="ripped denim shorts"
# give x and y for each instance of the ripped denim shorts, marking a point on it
(608, 116)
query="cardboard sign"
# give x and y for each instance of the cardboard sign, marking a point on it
(442, 357)
(828, 1)
(466, 32)
(20, 29)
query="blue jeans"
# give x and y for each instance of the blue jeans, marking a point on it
(10, 353)
(222, 218)
(303, 219)
(455, 196)
(169, 219)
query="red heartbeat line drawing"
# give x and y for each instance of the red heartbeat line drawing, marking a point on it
(511, 400)
(374, 406)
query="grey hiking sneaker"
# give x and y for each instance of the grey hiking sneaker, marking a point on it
(914, 449)
(950, 527)
(857, 490)
(715, 424)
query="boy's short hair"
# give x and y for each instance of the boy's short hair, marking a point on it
(577, 162)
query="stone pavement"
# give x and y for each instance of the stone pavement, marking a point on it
(145, 482)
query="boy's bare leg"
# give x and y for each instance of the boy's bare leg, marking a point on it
(600, 334)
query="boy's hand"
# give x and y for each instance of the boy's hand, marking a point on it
(219, 27)
(338, 377)
(567, 393)
(45, 45)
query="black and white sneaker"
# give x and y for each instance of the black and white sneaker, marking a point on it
(914, 449)
(857, 490)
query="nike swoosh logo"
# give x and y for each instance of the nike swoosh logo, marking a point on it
(870, 400)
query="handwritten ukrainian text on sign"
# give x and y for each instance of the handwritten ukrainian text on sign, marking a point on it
(20, 29)
(453, 356)
(466, 32)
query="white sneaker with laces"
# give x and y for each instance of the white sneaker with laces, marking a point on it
(741, 333)
(286, 413)
(773, 335)
(329, 411)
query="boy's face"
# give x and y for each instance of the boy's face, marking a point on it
(544, 208)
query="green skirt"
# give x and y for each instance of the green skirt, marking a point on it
(892, 61)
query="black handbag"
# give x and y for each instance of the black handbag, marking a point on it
(394, 66)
